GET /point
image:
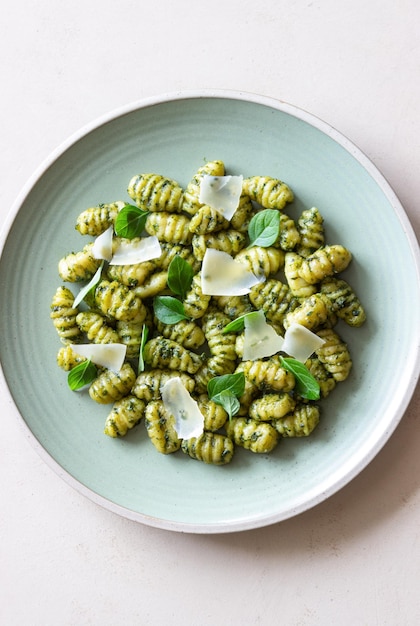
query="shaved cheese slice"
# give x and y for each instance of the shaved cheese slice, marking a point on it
(102, 246)
(221, 275)
(109, 355)
(260, 339)
(189, 421)
(300, 342)
(221, 193)
(137, 251)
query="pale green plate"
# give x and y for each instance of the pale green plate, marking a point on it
(174, 135)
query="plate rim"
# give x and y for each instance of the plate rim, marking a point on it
(374, 173)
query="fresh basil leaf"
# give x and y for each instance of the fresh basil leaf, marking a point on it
(130, 221)
(228, 401)
(90, 287)
(81, 375)
(169, 310)
(235, 383)
(264, 228)
(180, 275)
(144, 336)
(307, 386)
(238, 324)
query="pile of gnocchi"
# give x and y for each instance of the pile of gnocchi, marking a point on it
(298, 283)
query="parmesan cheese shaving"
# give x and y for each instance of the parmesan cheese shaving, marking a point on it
(260, 339)
(221, 275)
(300, 342)
(222, 193)
(102, 246)
(138, 251)
(109, 355)
(189, 421)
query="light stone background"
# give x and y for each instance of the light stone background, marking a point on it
(353, 560)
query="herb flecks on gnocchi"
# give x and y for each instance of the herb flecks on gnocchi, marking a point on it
(250, 384)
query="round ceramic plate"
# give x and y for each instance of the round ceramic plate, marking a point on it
(174, 135)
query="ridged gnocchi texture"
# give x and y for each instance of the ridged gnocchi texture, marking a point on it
(300, 283)
(211, 448)
(269, 192)
(78, 266)
(125, 414)
(63, 314)
(160, 426)
(154, 192)
(111, 386)
(95, 220)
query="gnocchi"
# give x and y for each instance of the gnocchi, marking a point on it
(299, 283)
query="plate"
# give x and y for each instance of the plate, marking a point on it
(173, 135)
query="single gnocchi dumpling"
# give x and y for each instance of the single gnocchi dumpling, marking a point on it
(148, 384)
(124, 415)
(344, 301)
(160, 426)
(209, 447)
(300, 423)
(243, 214)
(111, 386)
(67, 358)
(256, 436)
(229, 241)
(219, 343)
(324, 379)
(162, 353)
(214, 414)
(312, 312)
(169, 227)
(119, 302)
(152, 286)
(274, 298)
(195, 302)
(207, 220)
(96, 220)
(131, 275)
(271, 406)
(334, 354)
(261, 261)
(154, 192)
(64, 314)
(289, 236)
(270, 193)
(185, 332)
(297, 285)
(267, 375)
(78, 266)
(96, 327)
(311, 231)
(324, 262)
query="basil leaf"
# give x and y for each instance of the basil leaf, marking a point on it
(130, 222)
(235, 383)
(144, 336)
(238, 324)
(228, 401)
(264, 228)
(307, 386)
(180, 275)
(81, 375)
(169, 310)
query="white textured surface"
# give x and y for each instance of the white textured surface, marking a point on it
(355, 559)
